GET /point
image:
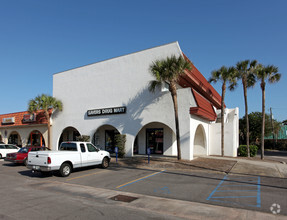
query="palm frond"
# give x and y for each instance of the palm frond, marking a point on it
(153, 85)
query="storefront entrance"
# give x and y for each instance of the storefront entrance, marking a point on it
(15, 139)
(155, 140)
(36, 139)
(110, 142)
(104, 138)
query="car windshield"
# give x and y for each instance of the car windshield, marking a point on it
(23, 150)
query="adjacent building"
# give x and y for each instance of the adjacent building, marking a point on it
(23, 128)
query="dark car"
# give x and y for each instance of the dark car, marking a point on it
(22, 154)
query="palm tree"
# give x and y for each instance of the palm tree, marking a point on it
(245, 70)
(47, 104)
(226, 75)
(168, 71)
(271, 74)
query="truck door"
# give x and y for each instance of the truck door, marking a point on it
(93, 154)
(84, 155)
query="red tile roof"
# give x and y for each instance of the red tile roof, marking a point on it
(196, 80)
(40, 119)
(204, 108)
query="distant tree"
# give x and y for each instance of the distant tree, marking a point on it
(226, 76)
(271, 74)
(284, 122)
(255, 125)
(168, 71)
(245, 70)
(47, 104)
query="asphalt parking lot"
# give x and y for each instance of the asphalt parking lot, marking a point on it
(216, 188)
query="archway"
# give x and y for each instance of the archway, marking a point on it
(36, 138)
(14, 138)
(104, 138)
(69, 134)
(199, 141)
(156, 136)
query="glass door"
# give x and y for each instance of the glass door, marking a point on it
(155, 140)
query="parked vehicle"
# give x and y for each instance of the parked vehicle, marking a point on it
(22, 154)
(70, 155)
(7, 148)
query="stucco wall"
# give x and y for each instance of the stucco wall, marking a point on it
(121, 81)
(24, 133)
(231, 134)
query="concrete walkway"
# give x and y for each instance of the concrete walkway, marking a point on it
(256, 167)
(172, 207)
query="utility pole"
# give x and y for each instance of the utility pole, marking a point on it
(272, 127)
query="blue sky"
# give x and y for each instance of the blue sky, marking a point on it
(39, 38)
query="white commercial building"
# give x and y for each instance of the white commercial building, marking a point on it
(112, 96)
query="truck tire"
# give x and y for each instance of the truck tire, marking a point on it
(65, 169)
(0, 156)
(25, 162)
(105, 163)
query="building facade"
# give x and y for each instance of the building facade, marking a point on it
(112, 97)
(23, 128)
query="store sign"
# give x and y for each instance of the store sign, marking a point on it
(8, 120)
(29, 118)
(107, 111)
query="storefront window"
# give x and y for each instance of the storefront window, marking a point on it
(136, 146)
(13, 139)
(36, 139)
(155, 140)
(110, 140)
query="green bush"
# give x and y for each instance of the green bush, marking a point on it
(120, 140)
(242, 150)
(83, 138)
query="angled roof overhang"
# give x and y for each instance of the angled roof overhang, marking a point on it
(204, 108)
(196, 80)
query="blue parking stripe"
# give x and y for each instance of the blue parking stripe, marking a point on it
(258, 193)
(239, 190)
(225, 182)
(223, 197)
(235, 203)
(216, 187)
(228, 185)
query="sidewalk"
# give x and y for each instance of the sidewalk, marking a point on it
(236, 165)
(171, 207)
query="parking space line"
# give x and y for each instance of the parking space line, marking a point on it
(258, 193)
(90, 174)
(224, 178)
(237, 190)
(139, 179)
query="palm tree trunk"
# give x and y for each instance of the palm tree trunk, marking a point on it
(49, 129)
(222, 118)
(246, 116)
(263, 119)
(174, 99)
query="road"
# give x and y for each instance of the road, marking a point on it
(21, 190)
(275, 155)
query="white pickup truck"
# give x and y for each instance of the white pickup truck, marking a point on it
(69, 156)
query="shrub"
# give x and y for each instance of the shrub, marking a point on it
(83, 138)
(120, 140)
(242, 150)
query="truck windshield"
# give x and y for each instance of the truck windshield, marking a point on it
(68, 147)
